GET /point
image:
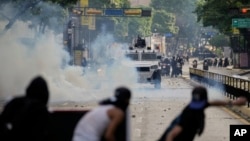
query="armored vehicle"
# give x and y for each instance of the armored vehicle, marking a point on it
(146, 62)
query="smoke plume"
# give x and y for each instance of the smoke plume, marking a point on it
(25, 55)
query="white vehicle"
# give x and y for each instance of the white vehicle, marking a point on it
(146, 64)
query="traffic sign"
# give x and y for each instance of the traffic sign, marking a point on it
(241, 22)
(93, 11)
(132, 12)
(113, 12)
(146, 13)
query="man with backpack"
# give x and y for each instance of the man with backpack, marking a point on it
(26, 118)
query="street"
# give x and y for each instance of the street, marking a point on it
(85, 49)
(152, 110)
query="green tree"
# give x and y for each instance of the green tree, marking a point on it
(185, 21)
(218, 13)
(219, 41)
(121, 24)
(163, 22)
(27, 9)
(109, 3)
(139, 26)
(126, 28)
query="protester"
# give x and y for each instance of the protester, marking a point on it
(215, 62)
(167, 63)
(26, 117)
(191, 121)
(195, 63)
(179, 64)
(226, 62)
(220, 62)
(205, 64)
(103, 121)
(187, 58)
(174, 67)
(84, 62)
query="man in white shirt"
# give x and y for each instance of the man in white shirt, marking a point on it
(103, 121)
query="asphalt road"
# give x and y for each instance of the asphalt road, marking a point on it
(152, 110)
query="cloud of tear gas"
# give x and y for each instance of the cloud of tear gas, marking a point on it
(215, 90)
(108, 57)
(22, 57)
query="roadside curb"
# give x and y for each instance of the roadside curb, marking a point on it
(243, 111)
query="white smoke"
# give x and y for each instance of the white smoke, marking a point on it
(109, 56)
(22, 57)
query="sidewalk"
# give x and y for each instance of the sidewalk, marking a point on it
(235, 72)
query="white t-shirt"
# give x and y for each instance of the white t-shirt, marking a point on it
(92, 125)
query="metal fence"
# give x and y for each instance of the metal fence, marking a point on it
(231, 87)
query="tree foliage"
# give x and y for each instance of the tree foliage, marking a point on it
(63, 3)
(130, 27)
(121, 24)
(110, 3)
(163, 22)
(217, 13)
(185, 19)
(126, 28)
(139, 26)
(25, 10)
(219, 41)
(173, 6)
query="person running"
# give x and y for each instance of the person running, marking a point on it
(103, 121)
(191, 120)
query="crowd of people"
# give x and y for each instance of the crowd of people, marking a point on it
(172, 66)
(27, 117)
(219, 62)
(213, 62)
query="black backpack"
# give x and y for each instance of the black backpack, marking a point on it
(21, 114)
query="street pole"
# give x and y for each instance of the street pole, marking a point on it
(149, 40)
(90, 49)
(73, 44)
